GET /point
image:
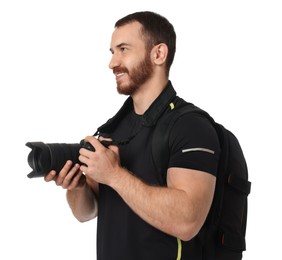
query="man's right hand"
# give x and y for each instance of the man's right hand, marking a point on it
(70, 177)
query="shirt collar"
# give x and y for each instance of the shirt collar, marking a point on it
(151, 115)
(160, 104)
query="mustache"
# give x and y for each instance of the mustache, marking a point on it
(120, 70)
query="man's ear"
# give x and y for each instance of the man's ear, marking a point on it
(159, 53)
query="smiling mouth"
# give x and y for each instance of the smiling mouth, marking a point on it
(119, 75)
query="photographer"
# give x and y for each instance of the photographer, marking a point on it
(143, 214)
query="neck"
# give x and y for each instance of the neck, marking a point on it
(147, 93)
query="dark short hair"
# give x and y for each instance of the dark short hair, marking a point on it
(156, 28)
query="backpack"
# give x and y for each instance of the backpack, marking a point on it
(225, 228)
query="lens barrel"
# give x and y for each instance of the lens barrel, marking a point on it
(46, 157)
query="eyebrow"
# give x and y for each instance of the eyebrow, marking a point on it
(120, 45)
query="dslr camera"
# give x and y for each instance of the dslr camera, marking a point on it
(53, 156)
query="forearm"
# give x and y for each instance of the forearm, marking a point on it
(83, 203)
(164, 208)
(179, 209)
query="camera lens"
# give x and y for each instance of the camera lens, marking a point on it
(46, 157)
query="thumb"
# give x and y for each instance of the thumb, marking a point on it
(114, 148)
(111, 145)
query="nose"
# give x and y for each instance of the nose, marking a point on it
(114, 62)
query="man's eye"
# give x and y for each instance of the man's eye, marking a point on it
(123, 49)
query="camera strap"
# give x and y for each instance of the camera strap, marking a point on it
(149, 119)
(119, 142)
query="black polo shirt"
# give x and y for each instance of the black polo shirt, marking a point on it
(121, 234)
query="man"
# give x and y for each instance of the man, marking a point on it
(143, 214)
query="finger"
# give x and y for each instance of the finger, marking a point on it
(84, 153)
(101, 138)
(63, 173)
(94, 142)
(74, 170)
(50, 176)
(114, 148)
(106, 141)
(83, 168)
(72, 181)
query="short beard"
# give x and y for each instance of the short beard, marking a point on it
(138, 76)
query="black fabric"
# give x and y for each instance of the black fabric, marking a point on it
(149, 118)
(121, 234)
(197, 131)
(225, 227)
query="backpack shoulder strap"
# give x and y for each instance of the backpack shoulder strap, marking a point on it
(225, 227)
(160, 143)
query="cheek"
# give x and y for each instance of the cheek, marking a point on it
(131, 64)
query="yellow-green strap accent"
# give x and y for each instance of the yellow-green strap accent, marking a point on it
(179, 249)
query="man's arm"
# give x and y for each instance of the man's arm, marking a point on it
(179, 209)
(83, 202)
(81, 192)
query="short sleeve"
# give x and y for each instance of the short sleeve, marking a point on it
(194, 144)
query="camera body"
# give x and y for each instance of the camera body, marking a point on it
(52, 156)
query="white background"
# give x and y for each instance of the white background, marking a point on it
(55, 86)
